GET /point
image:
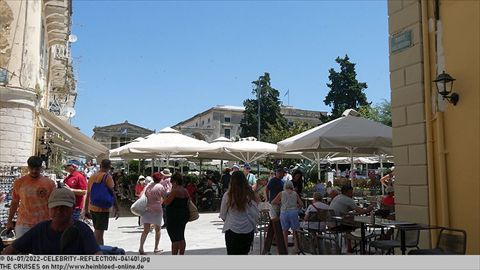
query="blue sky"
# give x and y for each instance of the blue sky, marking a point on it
(156, 63)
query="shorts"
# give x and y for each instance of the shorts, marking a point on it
(289, 220)
(100, 220)
(21, 230)
(274, 211)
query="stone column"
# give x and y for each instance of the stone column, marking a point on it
(17, 131)
(408, 116)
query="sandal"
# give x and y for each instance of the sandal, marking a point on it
(158, 251)
(141, 252)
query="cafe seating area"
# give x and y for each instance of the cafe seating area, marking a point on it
(324, 233)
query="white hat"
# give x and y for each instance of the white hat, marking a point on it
(61, 197)
(166, 172)
(148, 179)
(141, 177)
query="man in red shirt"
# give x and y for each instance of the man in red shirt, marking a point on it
(77, 183)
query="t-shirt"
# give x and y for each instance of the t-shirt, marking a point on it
(287, 177)
(139, 189)
(342, 204)
(33, 194)
(155, 193)
(320, 187)
(225, 181)
(274, 186)
(97, 178)
(41, 239)
(76, 180)
(389, 201)
(251, 179)
(310, 211)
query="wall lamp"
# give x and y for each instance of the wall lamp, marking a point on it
(444, 83)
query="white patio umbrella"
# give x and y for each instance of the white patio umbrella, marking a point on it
(166, 143)
(115, 153)
(250, 150)
(349, 133)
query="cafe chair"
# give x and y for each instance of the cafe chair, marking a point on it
(307, 242)
(450, 242)
(412, 238)
(316, 221)
(327, 245)
(262, 227)
(355, 236)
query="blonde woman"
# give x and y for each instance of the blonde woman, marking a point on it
(290, 203)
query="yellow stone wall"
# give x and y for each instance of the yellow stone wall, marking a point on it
(461, 45)
(437, 145)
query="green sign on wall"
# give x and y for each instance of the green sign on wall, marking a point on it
(401, 41)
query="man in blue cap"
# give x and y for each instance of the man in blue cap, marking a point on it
(251, 179)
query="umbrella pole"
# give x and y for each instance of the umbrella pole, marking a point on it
(317, 158)
(381, 174)
(351, 167)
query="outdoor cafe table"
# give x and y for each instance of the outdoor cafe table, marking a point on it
(402, 226)
(362, 222)
(408, 226)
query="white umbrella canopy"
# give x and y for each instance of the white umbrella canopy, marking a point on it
(349, 133)
(116, 152)
(167, 142)
(249, 151)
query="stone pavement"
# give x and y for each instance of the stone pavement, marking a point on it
(203, 236)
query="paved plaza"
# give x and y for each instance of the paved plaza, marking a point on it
(203, 236)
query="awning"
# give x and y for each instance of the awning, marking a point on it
(80, 143)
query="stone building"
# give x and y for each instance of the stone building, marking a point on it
(37, 87)
(435, 140)
(224, 121)
(31, 35)
(117, 135)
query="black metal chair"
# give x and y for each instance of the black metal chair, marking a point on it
(327, 245)
(450, 242)
(307, 242)
(412, 238)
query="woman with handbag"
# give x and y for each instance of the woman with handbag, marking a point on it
(240, 212)
(177, 214)
(153, 214)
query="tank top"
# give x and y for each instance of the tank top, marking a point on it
(289, 201)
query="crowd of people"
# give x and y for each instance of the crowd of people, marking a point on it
(49, 215)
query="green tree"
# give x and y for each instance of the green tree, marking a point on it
(379, 113)
(346, 92)
(274, 135)
(270, 114)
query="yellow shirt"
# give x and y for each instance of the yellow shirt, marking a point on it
(97, 178)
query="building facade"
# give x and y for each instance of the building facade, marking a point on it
(35, 72)
(436, 143)
(224, 121)
(117, 135)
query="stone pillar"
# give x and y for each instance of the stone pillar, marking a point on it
(408, 115)
(17, 131)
